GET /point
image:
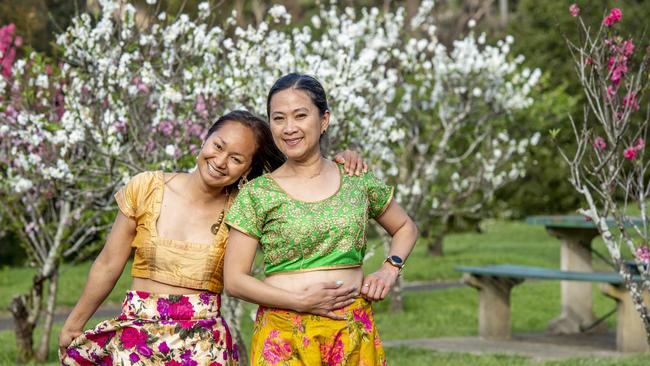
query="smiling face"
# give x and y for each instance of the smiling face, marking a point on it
(227, 154)
(296, 124)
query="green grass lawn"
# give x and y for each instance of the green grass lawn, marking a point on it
(450, 312)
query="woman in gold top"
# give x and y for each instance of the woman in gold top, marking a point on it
(171, 315)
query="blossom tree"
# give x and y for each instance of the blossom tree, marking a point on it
(53, 197)
(141, 89)
(608, 167)
(456, 109)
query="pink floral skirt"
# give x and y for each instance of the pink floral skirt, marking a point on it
(154, 329)
(288, 338)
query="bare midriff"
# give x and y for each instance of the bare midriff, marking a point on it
(301, 281)
(155, 287)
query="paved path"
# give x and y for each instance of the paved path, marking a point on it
(111, 310)
(538, 346)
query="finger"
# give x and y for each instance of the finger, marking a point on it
(379, 287)
(359, 167)
(339, 159)
(384, 293)
(365, 167)
(332, 284)
(343, 304)
(371, 290)
(365, 287)
(335, 316)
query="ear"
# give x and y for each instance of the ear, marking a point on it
(325, 122)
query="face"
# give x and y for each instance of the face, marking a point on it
(227, 154)
(296, 124)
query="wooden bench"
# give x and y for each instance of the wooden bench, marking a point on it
(494, 284)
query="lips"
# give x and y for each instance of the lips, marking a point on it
(292, 142)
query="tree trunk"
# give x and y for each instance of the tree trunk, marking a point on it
(396, 299)
(434, 244)
(232, 310)
(44, 345)
(23, 328)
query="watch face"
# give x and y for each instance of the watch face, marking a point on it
(396, 259)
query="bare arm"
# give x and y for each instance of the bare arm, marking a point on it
(103, 275)
(320, 299)
(404, 234)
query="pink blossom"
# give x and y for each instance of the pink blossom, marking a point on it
(200, 107)
(640, 144)
(589, 61)
(630, 153)
(611, 91)
(166, 127)
(628, 48)
(613, 17)
(643, 254)
(599, 143)
(574, 9)
(629, 101)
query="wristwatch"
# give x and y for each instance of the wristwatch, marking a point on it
(395, 261)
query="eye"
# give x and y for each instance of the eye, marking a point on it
(237, 160)
(301, 116)
(217, 146)
(278, 118)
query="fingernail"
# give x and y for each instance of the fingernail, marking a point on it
(339, 283)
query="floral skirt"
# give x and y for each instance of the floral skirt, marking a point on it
(154, 329)
(288, 338)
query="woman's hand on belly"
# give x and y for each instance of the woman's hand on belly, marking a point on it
(377, 284)
(326, 297)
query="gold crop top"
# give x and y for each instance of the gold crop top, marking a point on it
(173, 262)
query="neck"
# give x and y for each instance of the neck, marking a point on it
(201, 192)
(309, 167)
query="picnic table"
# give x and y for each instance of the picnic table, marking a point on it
(576, 234)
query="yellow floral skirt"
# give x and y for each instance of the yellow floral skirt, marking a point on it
(288, 338)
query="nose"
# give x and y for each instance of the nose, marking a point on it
(221, 160)
(290, 127)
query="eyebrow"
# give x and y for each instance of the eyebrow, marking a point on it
(223, 142)
(301, 109)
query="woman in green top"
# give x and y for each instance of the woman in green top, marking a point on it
(310, 221)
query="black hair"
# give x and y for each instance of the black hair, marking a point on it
(309, 85)
(267, 156)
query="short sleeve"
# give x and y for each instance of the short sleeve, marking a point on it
(130, 197)
(243, 215)
(379, 195)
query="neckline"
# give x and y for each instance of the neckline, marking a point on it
(161, 193)
(275, 182)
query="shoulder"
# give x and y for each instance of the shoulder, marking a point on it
(146, 177)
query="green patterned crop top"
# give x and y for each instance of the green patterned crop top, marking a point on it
(307, 236)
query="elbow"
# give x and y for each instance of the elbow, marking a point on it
(230, 286)
(413, 228)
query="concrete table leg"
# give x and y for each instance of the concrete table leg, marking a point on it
(494, 304)
(576, 297)
(630, 333)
